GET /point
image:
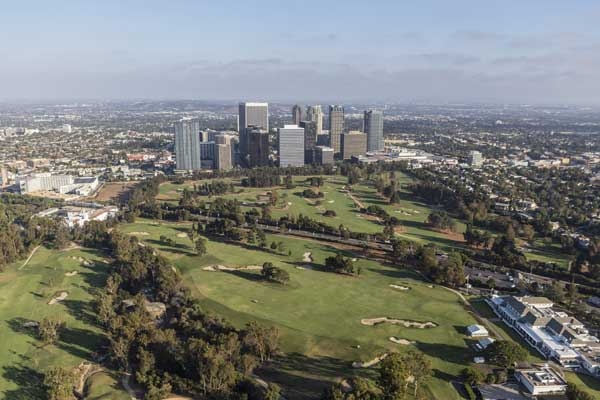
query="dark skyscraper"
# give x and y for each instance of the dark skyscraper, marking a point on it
(258, 147)
(296, 114)
(251, 114)
(310, 140)
(336, 126)
(373, 127)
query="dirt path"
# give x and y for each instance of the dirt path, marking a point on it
(29, 258)
(356, 201)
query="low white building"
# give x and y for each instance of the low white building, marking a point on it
(541, 381)
(477, 331)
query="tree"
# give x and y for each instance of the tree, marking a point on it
(505, 353)
(273, 392)
(59, 384)
(340, 264)
(200, 246)
(49, 330)
(262, 342)
(571, 294)
(419, 368)
(394, 377)
(472, 375)
(274, 274)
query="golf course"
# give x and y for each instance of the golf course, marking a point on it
(324, 318)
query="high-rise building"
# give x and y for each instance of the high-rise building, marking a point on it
(296, 114)
(373, 127)
(207, 154)
(323, 155)
(291, 146)
(187, 144)
(475, 158)
(223, 156)
(3, 177)
(310, 140)
(353, 143)
(315, 114)
(336, 127)
(258, 147)
(251, 114)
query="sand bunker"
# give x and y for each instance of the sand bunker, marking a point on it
(370, 363)
(139, 233)
(331, 201)
(59, 298)
(404, 322)
(31, 324)
(72, 273)
(401, 341)
(214, 268)
(307, 257)
(398, 287)
(181, 235)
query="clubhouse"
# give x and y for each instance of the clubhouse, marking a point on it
(552, 333)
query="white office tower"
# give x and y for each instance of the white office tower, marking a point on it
(315, 114)
(291, 146)
(251, 114)
(187, 144)
(475, 158)
(373, 127)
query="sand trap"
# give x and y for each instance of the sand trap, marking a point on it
(430, 286)
(289, 203)
(182, 235)
(370, 363)
(404, 322)
(401, 341)
(72, 273)
(214, 268)
(331, 201)
(139, 233)
(307, 257)
(399, 287)
(59, 298)
(31, 324)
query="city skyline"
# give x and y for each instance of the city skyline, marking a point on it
(435, 52)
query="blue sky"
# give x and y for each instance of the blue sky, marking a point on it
(526, 51)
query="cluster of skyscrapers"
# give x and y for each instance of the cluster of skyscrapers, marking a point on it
(302, 142)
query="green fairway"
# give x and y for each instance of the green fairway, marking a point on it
(24, 296)
(319, 313)
(411, 213)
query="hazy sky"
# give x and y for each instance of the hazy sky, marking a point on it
(517, 51)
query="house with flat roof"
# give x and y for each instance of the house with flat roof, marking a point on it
(477, 331)
(541, 381)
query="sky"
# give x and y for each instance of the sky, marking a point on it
(405, 51)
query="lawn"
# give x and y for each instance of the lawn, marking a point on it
(548, 253)
(319, 313)
(24, 296)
